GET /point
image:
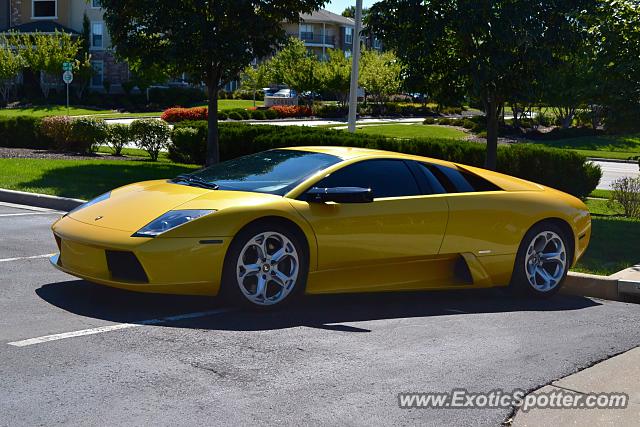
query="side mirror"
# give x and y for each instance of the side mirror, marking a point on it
(340, 195)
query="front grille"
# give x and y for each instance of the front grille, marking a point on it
(125, 266)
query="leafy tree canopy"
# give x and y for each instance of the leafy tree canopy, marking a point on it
(211, 41)
(491, 48)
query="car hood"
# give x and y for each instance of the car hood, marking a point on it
(132, 207)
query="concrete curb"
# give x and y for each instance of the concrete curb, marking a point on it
(591, 285)
(39, 200)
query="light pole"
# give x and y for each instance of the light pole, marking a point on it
(355, 66)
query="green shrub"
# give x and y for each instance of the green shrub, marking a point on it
(560, 133)
(151, 135)
(330, 111)
(188, 144)
(564, 170)
(429, 121)
(23, 132)
(234, 115)
(222, 115)
(86, 134)
(118, 136)
(170, 97)
(257, 114)
(270, 114)
(239, 112)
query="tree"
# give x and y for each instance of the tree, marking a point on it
(46, 53)
(10, 65)
(616, 25)
(211, 41)
(335, 75)
(492, 48)
(83, 70)
(349, 12)
(380, 74)
(255, 78)
(295, 67)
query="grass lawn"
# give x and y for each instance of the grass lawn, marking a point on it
(614, 240)
(60, 110)
(413, 131)
(81, 179)
(601, 194)
(135, 152)
(606, 146)
(230, 104)
(613, 247)
(50, 110)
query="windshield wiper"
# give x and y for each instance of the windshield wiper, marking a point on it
(196, 181)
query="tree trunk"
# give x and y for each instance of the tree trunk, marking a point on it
(492, 133)
(213, 148)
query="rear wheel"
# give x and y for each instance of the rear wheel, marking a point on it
(266, 266)
(542, 262)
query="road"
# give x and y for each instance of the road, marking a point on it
(614, 170)
(324, 361)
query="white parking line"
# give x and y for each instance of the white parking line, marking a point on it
(30, 214)
(28, 208)
(26, 257)
(119, 326)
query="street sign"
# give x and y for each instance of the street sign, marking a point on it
(67, 77)
(67, 66)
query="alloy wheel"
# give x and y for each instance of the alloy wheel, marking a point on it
(267, 268)
(545, 261)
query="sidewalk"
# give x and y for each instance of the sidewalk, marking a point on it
(620, 374)
(628, 281)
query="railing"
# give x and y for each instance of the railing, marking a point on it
(312, 38)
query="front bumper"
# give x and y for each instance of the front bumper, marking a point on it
(183, 266)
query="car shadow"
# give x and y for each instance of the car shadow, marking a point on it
(324, 312)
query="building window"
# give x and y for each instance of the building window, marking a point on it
(306, 32)
(377, 43)
(97, 30)
(96, 4)
(348, 36)
(98, 73)
(44, 8)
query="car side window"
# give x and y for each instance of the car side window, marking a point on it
(386, 178)
(455, 181)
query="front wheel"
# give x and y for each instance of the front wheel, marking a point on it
(542, 262)
(266, 266)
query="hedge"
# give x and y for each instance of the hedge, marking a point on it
(562, 169)
(22, 132)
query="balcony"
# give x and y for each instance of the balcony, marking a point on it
(311, 39)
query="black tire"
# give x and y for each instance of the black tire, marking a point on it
(230, 287)
(520, 284)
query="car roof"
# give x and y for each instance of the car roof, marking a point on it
(348, 153)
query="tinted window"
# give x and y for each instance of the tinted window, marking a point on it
(386, 178)
(273, 172)
(456, 181)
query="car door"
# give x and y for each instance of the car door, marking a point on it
(378, 245)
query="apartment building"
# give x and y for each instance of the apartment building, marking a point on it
(323, 30)
(48, 16)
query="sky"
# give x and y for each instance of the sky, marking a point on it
(337, 6)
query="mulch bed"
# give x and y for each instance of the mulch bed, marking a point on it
(28, 153)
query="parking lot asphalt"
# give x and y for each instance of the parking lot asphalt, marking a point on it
(120, 358)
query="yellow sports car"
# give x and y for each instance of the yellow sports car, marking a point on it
(264, 228)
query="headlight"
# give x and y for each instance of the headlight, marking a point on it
(98, 199)
(170, 220)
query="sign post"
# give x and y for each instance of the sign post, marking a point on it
(67, 78)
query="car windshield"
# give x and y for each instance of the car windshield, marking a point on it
(272, 172)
